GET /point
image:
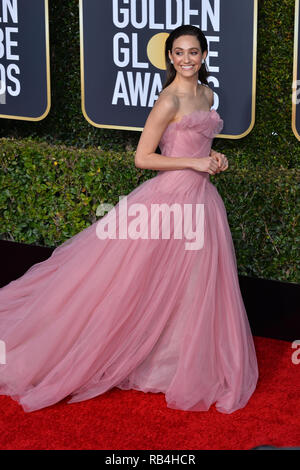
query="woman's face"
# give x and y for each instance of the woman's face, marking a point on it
(187, 56)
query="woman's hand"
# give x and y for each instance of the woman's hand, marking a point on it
(208, 164)
(221, 159)
(215, 163)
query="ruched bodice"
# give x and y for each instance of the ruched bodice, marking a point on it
(191, 136)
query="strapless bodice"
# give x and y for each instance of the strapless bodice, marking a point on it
(191, 136)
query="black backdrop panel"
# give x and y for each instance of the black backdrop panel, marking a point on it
(24, 59)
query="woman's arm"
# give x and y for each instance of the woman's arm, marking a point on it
(163, 112)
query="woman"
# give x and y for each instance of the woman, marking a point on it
(155, 314)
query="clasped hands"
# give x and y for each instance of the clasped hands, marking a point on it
(214, 163)
(220, 159)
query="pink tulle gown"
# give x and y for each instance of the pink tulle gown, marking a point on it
(137, 313)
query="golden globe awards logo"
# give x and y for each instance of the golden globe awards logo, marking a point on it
(123, 62)
(24, 60)
(134, 20)
(9, 82)
(123, 54)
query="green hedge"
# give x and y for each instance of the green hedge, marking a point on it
(50, 193)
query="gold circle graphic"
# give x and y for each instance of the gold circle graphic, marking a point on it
(156, 50)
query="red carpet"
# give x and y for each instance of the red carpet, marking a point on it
(121, 419)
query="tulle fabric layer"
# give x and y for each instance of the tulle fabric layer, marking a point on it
(145, 314)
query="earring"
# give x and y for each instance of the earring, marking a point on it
(172, 62)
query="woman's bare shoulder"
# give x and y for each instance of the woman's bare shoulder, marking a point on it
(208, 93)
(167, 101)
(165, 108)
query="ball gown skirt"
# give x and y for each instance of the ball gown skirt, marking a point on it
(136, 313)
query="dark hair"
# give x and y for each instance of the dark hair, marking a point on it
(185, 30)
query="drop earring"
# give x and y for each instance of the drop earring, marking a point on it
(172, 62)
